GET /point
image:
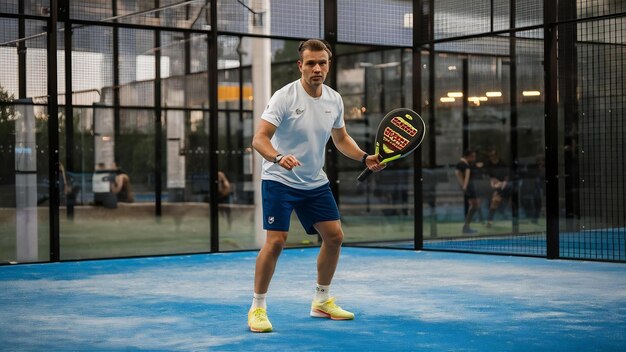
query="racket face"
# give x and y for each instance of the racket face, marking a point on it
(399, 133)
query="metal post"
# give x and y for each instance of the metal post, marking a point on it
(465, 113)
(465, 117)
(551, 128)
(213, 126)
(21, 52)
(568, 77)
(416, 84)
(53, 132)
(69, 108)
(158, 129)
(116, 81)
(514, 114)
(430, 36)
(330, 35)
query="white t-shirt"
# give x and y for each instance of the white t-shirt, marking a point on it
(304, 124)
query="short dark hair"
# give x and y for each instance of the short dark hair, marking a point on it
(314, 45)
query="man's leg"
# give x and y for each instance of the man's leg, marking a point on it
(496, 199)
(332, 236)
(267, 258)
(473, 205)
(265, 265)
(323, 305)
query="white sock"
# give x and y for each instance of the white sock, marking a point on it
(322, 293)
(258, 301)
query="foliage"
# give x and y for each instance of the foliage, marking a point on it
(7, 111)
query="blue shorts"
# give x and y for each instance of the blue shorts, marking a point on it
(311, 206)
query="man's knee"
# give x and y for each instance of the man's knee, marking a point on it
(332, 235)
(276, 241)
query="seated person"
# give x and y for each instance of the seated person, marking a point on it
(224, 192)
(500, 180)
(121, 185)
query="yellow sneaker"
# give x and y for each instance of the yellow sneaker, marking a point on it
(258, 321)
(330, 310)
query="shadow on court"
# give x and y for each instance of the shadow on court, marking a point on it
(403, 300)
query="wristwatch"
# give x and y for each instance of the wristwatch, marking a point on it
(363, 159)
(278, 158)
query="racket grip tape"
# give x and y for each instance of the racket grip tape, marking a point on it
(364, 175)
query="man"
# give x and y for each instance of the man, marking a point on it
(291, 137)
(464, 177)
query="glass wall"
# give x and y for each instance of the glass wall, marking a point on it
(24, 152)
(372, 82)
(157, 107)
(479, 106)
(135, 168)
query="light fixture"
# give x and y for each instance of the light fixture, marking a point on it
(493, 94)
(475, 99)
(452, 68)
(531, 93)
(408, 20)
(447, 100)
(455, 94)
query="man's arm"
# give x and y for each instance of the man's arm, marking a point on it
(460, 178)
(261, 142)
(348, 147)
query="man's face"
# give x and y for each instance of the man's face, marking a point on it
(493, 157)
(314, 67)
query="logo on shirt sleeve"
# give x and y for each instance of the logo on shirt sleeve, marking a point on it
(299, 111)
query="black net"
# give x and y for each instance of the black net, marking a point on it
(300, 19)
(600, 151)
(482, 75)
(375, 22)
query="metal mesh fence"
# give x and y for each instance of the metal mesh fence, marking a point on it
(375, 22)
(92, 60)
(600, 53)
(594, 8)
(9, 80)
(487, 90)
(593, 195)
(300, 19)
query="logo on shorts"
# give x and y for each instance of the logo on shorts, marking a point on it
(270, 220)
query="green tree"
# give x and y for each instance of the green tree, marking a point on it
(7, 157)
(7, 111)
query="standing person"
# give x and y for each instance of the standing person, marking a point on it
(464, 177)
(291, 137)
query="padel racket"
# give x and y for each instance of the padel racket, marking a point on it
(399, 133)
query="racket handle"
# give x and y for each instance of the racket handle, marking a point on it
(364, 175)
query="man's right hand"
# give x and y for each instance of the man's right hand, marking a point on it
(289, 162)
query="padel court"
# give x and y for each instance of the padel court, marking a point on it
(130, 188)
(403, 301)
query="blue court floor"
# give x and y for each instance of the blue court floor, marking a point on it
(403, 301)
